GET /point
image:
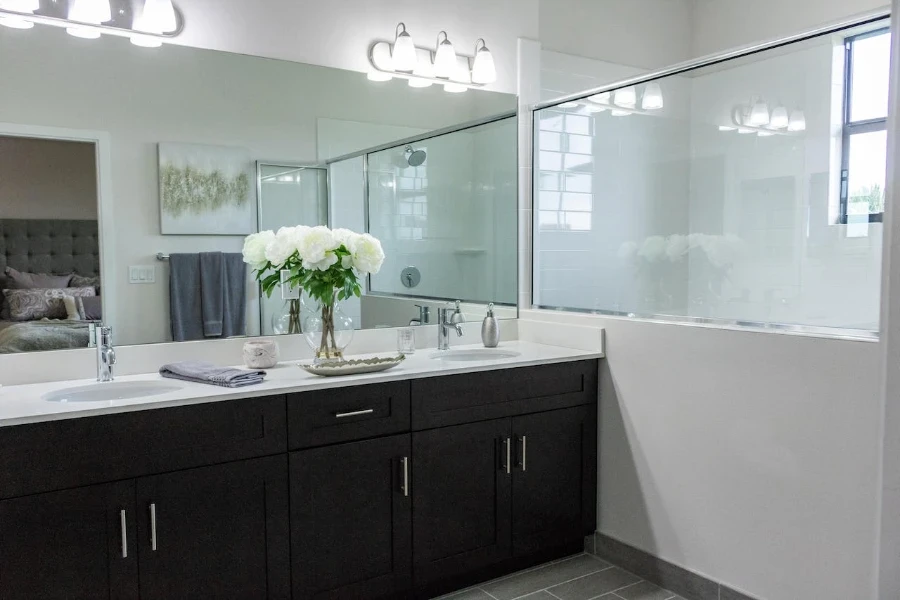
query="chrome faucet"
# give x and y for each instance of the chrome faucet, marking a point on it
(424, 316)
(106, 354)
(448, 319)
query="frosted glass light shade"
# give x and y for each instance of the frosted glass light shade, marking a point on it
(404, 52)
(16, 22)
(483, 68)
(146, 41)
(374, 75)
(83, 32)
(424, 68)
(602, 98)
(23, 6)
(454, 88)
(779, 118)
(797, 121)
(90, 11)
(759, 115)
(653, 98)
(625, 97)
(444, 59)
(158, 16)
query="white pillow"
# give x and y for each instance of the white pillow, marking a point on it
(72, 313)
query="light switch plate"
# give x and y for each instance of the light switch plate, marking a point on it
(142, 274)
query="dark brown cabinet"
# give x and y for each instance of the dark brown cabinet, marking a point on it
(72, 545)
(351, 534)
(215, 532)
(461, 494)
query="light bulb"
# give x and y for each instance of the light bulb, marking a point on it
(374, 75)
(779, 118)
(90, 11)
(483, 69)
(626, 97)
(455, 88)
(653, 98)
(759, 115)
(444, 58)
(797, 121)
(404, 51)
(16, 22)
(602, 98)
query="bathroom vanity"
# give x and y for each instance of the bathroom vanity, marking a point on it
(407, 483)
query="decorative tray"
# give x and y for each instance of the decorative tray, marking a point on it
(353, 367)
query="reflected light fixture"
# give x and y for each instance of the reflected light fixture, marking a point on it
(483, 69)
(23, 6)
(653, 98)
(94, 12)
(595, 108)
(726, 128)
(759, 114)
(765, 133)
(779, 118)
(618, 112)
(157, 17)
(569, 105)
(404, 51)
(601, 98)
(745, 130)
(626, 97)
(444, 57)
(797, 121)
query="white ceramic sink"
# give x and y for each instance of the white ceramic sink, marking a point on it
(105, 392)
(475, 355)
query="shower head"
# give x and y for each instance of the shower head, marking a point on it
(415, 158)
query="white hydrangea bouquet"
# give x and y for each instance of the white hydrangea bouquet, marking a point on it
(327, 264)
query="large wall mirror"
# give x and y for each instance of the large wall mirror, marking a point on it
(114, 159)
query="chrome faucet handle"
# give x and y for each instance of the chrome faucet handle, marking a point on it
(458, 316)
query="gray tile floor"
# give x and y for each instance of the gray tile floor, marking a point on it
(579, 577)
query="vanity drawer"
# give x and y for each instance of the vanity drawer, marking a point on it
(74, 452)
(455, 399)
(346, 414)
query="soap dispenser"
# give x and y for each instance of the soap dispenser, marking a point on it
(490, 329)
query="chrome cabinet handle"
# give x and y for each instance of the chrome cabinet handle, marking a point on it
(124, 526)
(524, 449)
(355, 413)
(508, 465)
(405, 462)
(153, 526)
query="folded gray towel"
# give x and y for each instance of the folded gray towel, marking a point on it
(204, 372)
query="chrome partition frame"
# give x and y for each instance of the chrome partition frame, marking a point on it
(677, 69)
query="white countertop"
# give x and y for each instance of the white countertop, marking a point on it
(20, 404)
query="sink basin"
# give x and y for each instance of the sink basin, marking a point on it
(475, 355)
(104, 392)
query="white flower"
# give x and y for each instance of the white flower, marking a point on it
(344, 237)
(347, 262)
(653, 248)
(314, 245)
(255, 248)
(627, 250)
(283, 245)
(676, 247)
(367, 253)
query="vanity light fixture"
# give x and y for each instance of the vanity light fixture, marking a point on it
(652, 98)
(483, 69)
(423, 67)
(797, 121)
(756, 118)
(759, 114)
(625, 97)
(444, 57)
(403, 52)
(779, 118)
(21, 6)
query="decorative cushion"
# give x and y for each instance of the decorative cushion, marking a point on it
(90, 308)
(41, 303)
(79, 281)
(17, 280)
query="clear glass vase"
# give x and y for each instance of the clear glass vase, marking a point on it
(288, 321)
(328, 331)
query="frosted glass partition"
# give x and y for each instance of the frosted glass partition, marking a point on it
(449, 212)
(741, 192)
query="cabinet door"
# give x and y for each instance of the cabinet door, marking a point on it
(554, 478)
(461, 499)
(350, 520)
(215, 532)
(75, 544)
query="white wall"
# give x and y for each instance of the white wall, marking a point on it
(338, 34)
(47, 179)
(185, 95)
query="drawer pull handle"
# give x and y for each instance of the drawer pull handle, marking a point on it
(153, 526)
(355, 413)
(508, 464)
(524, 449)
(405, 462)
(124, 525)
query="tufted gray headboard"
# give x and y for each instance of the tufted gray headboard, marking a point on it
(50, 246)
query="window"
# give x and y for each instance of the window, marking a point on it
(864, 156)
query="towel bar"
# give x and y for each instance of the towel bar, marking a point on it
(161, 256)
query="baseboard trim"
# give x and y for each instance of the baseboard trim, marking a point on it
(663, 573)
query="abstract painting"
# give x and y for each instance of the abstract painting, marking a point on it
(206, 190)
